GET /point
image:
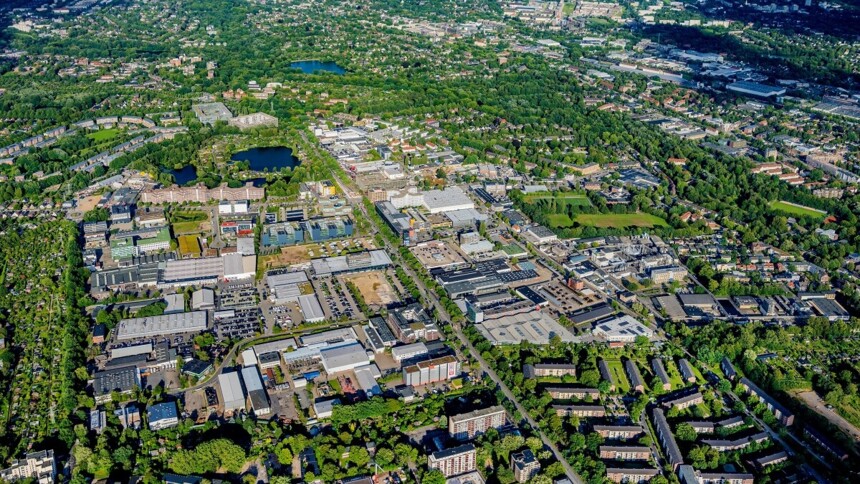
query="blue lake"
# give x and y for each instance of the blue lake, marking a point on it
(185, 175)
(268, 159)
(314, 66)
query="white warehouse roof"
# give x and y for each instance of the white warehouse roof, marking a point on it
(231, 391)
(191, 322)
(344, 358)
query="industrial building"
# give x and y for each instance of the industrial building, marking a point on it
(155, 326)
(232, 393)
(124, 380)
(162, 416)
(405, 352)
(254, 386)
(535, 327)
(343, 358)
(361, 261)
(622, 329)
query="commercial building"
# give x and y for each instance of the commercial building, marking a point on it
(625, 452)
(622, 329)
(755, 89)
(619, 432)
(535, 327)
(630, 476)
(331, 336)
(454, 461)
(39, 466)
(548, 369)
(431, 371)
(779, 411)
(358, 262)
(667, 439)
(662, 275)
(401, 223)
(282, 234)
(257, 394)
(411, 323)
(191, 272)
(469, 425)
(524, 465)
(580, 410)
(124, 381)
(312, 311)
(155, 326)
(162, 416)
(343, 358)
(232, 393)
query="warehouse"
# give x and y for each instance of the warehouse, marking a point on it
(535, 327)
(447, 200)
(154, 326)
(343, 358)
(254, 385)
(312, 311)
(203, 299)
(332, 336)
(232, 393)
(238, 266)
(192, 272)
(755, 89)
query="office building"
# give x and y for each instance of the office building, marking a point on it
(162, 416)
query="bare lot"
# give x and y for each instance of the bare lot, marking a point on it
(374, 288)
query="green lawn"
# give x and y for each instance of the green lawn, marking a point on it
(674, 374)
(564, 198)
(620, 220)
(186, 228)
(798, 210)
(103, 135)
(617, 369)
(559, 220)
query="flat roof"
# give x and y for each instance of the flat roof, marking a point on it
(352, 262)
(535, 327)
(189, 322)
(231, 390)
(340, 334)
(343, 357)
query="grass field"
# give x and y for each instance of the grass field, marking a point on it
(559, 220)
(620, 220)
(189, 227)
(617, 369)
(794, 209)
(103, 135)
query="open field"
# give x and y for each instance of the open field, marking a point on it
(566, 198)
(617, 369)
(559, 220)
(620, 220)
(815, 403)
(103, 135)
(795, 209)
(374, 288)
(294, 254)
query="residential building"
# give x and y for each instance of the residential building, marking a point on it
(637, 384)
(454, 461)
(619, 432)
(630, 476)
(569, 393)
(779, 411)
(687, 373)
(667, 439)
(683, 400)
(580, 410)
(38, 466)
(469, 425)
(625, 452)
(660, 371)
(548, 369)
(524, 465)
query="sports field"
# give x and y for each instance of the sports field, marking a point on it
(620, 220)
(795, 209)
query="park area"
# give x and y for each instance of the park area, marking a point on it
(103, 135)
(561, 198)
(796, 210)
(619, 220)
(374, 288)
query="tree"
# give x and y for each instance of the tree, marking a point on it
(590, 378)
(434, 477)
(686, 432)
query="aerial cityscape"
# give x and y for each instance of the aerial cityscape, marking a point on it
(429, 241)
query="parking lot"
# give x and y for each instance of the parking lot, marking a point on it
(336, 301)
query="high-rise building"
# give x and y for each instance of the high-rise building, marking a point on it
(525, 465)
(469, 425)
(455, 461)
